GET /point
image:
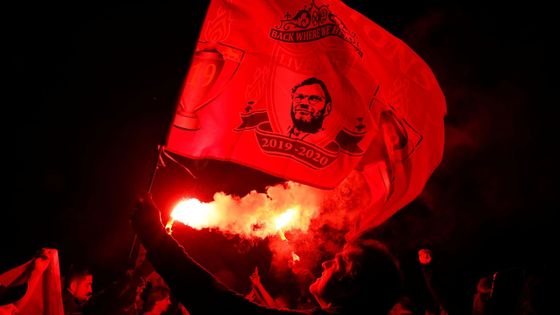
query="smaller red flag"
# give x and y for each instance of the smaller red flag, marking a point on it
(39, 281)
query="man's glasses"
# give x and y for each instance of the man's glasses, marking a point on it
(312, 99)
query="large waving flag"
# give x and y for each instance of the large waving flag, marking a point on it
(310, 90)
(36, 287)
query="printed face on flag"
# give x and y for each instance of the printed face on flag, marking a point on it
(311, 103)
(308, 109)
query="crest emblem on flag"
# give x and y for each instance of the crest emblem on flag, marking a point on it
(212, 67)
(306, 139)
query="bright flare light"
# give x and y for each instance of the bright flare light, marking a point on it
(257, 215)
(284, 219)
(194, 213)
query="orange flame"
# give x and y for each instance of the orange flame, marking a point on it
(255, 215)
(194, 213)
(283, 221)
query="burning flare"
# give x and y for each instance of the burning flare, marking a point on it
(194, 213)
(280, 209)
(283, 221)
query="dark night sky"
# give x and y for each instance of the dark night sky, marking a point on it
(92, 88)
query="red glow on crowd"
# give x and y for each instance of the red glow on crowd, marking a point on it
(290, 218)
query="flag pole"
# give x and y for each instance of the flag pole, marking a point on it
(136, 248)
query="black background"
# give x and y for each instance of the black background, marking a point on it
(91, 88)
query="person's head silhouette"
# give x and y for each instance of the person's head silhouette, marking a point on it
(79, 282)
(157, 300)
(364, 275)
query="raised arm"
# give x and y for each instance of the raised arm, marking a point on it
(195, 287)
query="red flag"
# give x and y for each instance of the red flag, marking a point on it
(39, 280)
(408, 151)
(309, 90)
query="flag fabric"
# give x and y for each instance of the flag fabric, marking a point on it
(38, 280)
(310, 90)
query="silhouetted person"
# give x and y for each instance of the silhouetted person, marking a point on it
(482, 296)
(122, 295)
(436, 306)
(500, 293)
(77, 290)
(363, 278)
(157, 301)
(402, 307)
